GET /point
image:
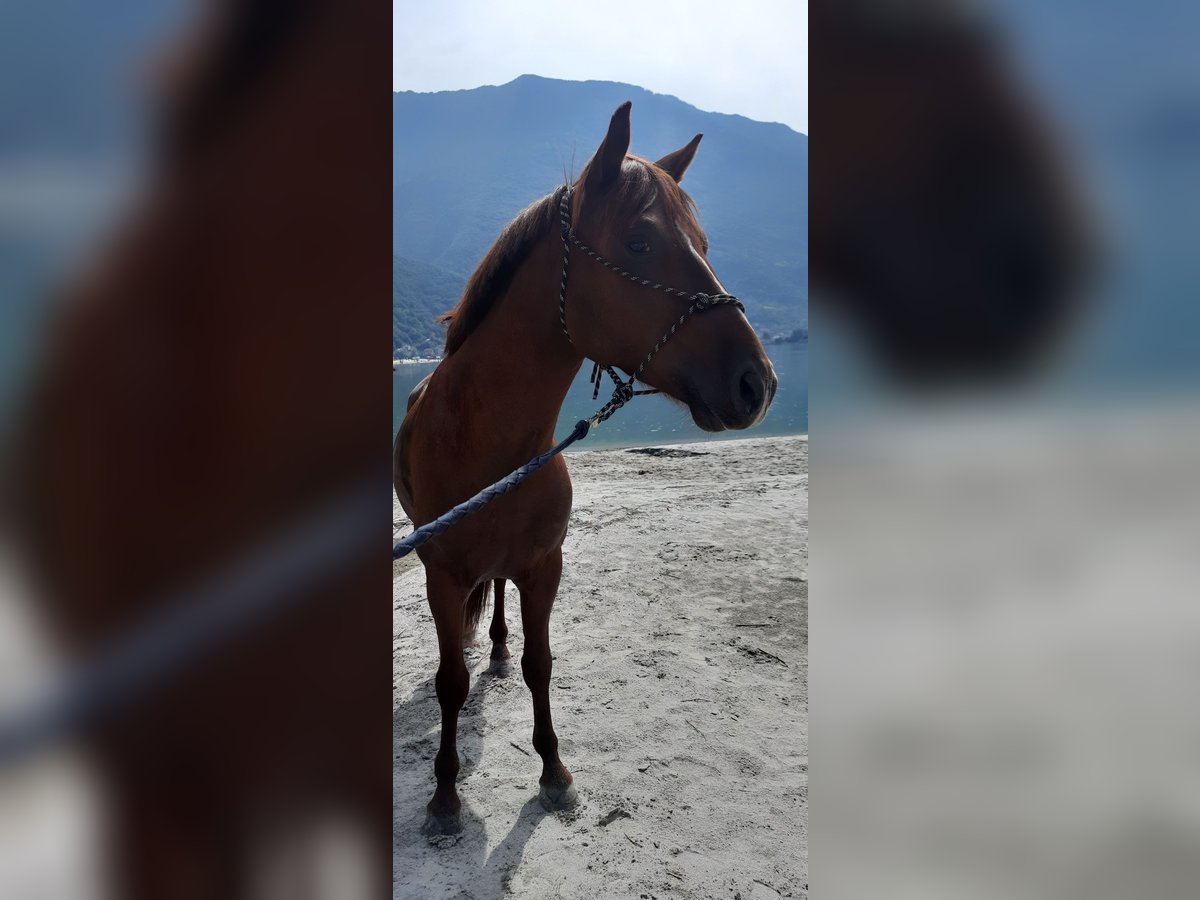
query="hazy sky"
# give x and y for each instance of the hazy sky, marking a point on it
(748, 57)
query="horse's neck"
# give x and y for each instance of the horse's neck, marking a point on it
(518, 364)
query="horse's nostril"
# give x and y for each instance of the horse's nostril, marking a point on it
(751, 389)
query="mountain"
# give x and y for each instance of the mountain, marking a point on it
(466, 162)
(420, 292)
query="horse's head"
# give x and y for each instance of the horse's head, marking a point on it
(634, 213)
(942, 219)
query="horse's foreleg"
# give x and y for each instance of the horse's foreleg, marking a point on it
(499, 630)
(537, 598)
(446, 602)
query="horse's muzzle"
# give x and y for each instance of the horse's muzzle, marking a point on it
(752, 391)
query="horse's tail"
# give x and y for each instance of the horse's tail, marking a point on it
(474, 609)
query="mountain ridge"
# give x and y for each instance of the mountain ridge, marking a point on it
(529, 76)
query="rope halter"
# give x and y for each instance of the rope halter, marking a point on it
(699, 301)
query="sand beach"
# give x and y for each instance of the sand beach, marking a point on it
(680, 694)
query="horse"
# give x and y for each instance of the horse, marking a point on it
(528, 318)
(946, 229)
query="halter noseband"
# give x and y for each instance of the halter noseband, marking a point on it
(623, 391)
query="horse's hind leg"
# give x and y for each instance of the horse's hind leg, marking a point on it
(537, 597)
(499, 630)
(452, 681)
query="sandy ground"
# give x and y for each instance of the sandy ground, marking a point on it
(680, 694)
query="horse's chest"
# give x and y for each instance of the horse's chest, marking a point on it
(515, 532)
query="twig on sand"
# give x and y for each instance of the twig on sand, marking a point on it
(773, 656)
(674, 874)
(632, 841)
(519, 747)
(695, 729)
(612, 816)
(764, 884)
(752, 624)
(759, 651)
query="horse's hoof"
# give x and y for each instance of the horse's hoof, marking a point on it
(500, 651)
(554, 798)
(444, 823)
(500, 668)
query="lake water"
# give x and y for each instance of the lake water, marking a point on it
(653, 419)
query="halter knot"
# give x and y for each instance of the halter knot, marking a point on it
(701, 300)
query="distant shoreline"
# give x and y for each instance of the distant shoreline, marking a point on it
(799, 336)
(686, 442)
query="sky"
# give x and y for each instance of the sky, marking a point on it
(749, 57)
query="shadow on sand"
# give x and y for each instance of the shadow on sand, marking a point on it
(457, 866)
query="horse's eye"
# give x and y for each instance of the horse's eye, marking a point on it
(639, 246)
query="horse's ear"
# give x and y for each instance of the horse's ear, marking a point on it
(675, 164)
(606, 164)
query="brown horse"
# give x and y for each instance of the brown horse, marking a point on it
(492, 403)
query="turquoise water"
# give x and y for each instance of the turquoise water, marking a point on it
(654, 419)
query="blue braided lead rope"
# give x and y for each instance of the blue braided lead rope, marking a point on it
(443, 522)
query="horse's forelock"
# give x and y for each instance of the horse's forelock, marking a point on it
(643, 183)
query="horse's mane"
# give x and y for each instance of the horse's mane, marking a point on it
(497, 268)
(641, 183)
